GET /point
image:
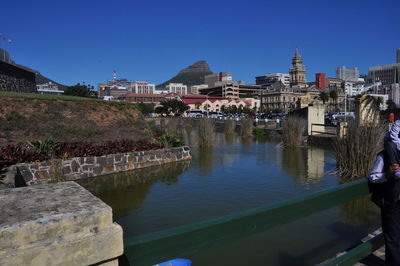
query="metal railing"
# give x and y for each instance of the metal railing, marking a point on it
(156, 247)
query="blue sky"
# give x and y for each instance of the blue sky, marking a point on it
(84, 40)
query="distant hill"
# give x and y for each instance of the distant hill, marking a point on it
(192, 75)
(40, 79)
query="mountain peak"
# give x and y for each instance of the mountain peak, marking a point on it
(192, 75)
(199, 66)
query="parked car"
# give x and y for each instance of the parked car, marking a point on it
(195, 114)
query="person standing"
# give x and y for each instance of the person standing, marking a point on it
(390, 209)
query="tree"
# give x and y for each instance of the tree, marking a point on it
(80, 90)
(173, 106)
(197, 105)
(324, 96)
(333, 95)
(145, 108)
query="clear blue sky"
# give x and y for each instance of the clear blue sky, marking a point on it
(84, 40)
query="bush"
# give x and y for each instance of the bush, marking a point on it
(259, 133)
(356, 151)
(170, 140)
(293, 128)
(46, 146)
(12, 154)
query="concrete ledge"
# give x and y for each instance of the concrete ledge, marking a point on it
(56, 224)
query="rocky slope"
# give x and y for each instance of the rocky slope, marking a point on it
(192, 75)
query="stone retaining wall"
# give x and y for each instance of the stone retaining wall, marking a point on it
(82, 167)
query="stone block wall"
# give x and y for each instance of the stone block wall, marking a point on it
(16, 79)
(83, 167)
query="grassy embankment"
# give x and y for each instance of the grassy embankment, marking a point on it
(25, 116)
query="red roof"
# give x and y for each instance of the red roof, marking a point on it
(142, 95)
(202, 97)
(193, 101)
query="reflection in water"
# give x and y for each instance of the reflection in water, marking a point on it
(306, 165)
(205, 160)
(247, 141)
(360, 212)
(230, 139)
(126, 191)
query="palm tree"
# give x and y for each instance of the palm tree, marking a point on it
(333, 94)
(324, 96)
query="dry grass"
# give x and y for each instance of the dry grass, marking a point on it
(188, 125)
(246, 129)
(206, 132)
(293, 128)
(229, 127)
(356, 152)
(172, 125)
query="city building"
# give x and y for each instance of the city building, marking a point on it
(297, 72)
(232, 90)
(117, 87)
(145, 97)
(104, 89)
(142, 87)
(177, 88)
(353, 88)
(285, 99)
(212, 79)
(350, 74)
(320, 81)
(386, 74)
(395, 93)
(217, 104)
(48, 88)
(334, 83)
(195, 88)
(398, 56)
(269, 79)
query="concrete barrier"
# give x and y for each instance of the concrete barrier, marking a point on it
(57, 224)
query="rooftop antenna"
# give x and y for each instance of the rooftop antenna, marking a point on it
(114, 78)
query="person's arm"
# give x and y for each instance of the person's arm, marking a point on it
(377, 174)
(394, 134)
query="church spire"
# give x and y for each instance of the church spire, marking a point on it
(297, 71)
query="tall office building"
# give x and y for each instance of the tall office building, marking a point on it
(398, 56)
(269, 79)
(212, 79)
(350, 74)
(297, 71)
(320, 81)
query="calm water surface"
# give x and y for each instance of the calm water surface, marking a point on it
(233, 176)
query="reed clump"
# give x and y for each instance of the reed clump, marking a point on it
(229, 127)
(293, 128)
(246, 130)
(356, 151)
(172, 126)
(188, 125)
(206, 132)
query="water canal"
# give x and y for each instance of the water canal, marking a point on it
(232, 176)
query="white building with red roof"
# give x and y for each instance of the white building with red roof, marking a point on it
(214, 104)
